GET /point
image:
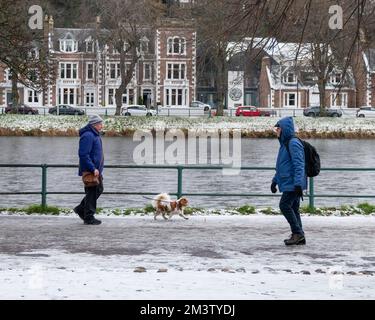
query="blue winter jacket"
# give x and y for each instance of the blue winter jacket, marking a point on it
(290, 166)
(90, 150)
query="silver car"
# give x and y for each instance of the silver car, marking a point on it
(366, 112)
(137, 110)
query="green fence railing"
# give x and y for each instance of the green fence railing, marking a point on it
(180, 169)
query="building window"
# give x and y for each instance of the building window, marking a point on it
(89, 46)
(290, 99)
(336, 78)
(114, 71)
(144, 45)
(175, 97)
(32, 96)
(146, 71)
(68, 44)
(176, 71)
(68, 96)
(68, 70)
(339, 100)
(90, 71)
(111, 96)
(290, 78)
(90, 99)
(8, 75)
(176, 45)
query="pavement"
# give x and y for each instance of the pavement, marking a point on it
(213, 257)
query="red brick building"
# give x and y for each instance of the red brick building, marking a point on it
(88, 71)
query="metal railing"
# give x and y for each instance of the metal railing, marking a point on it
(180, 168)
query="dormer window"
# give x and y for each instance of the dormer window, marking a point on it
(336, 78)
(89, 45)
(290, 78)
(176, 45)
(144, 45)
(68, 44)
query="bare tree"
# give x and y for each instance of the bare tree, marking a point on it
(24, 51)
(127, 24)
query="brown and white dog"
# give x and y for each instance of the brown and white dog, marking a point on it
(163, 205)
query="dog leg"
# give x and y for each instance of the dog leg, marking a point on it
(163, 214)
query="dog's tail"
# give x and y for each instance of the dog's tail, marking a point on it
(161, 199)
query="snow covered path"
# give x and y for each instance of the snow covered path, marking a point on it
(224, 257)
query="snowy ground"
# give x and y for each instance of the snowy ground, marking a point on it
(227, 257)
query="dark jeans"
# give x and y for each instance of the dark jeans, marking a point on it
(87, 208)
(289, 206)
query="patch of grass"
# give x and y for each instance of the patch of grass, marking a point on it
(11, 210)
(307, 209)
(149, 208)
(99, 210)
(39, 209)
(245, 210)
(191, 210)
(366, 208)
(270, 211)
(116, 212)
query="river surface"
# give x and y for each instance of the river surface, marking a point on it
(120, 151)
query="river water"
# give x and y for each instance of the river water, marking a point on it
(119, 151)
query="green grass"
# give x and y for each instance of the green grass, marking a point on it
(191, 210)
(307, 209)
(245, 210)
(149, 209)
(366, 208)
(270, 211)
(39, 209)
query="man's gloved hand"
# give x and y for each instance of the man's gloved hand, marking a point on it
(298, 191)
(273, 187)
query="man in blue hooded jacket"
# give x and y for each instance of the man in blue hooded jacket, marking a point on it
(291, 178)
(91, 159)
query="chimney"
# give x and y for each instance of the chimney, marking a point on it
(266, 62)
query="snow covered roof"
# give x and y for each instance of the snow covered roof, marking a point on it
(282, 52)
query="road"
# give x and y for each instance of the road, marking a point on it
(228, 257)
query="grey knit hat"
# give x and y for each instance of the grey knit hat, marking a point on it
(95, 119)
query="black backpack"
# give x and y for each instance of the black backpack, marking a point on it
(312, 159)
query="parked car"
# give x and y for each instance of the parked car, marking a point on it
(315, 112)
(247, 111)
(63, 109)
(137, 110)
(200, 105)
(366, 112)
(21, 109)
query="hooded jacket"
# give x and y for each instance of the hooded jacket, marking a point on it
(90, 151)
(290, 166)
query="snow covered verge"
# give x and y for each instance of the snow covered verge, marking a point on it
(125, 126)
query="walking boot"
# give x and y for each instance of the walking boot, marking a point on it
(92, 221)
(79, 213)
(295, 239)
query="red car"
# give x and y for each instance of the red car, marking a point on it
(248, 112)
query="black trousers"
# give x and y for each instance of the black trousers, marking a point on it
(87, 208)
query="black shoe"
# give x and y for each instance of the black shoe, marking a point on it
(79, 213)
(93, 221)
(295, 239)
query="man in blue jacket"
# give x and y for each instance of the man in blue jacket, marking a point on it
(291, 178)
(91, 159)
